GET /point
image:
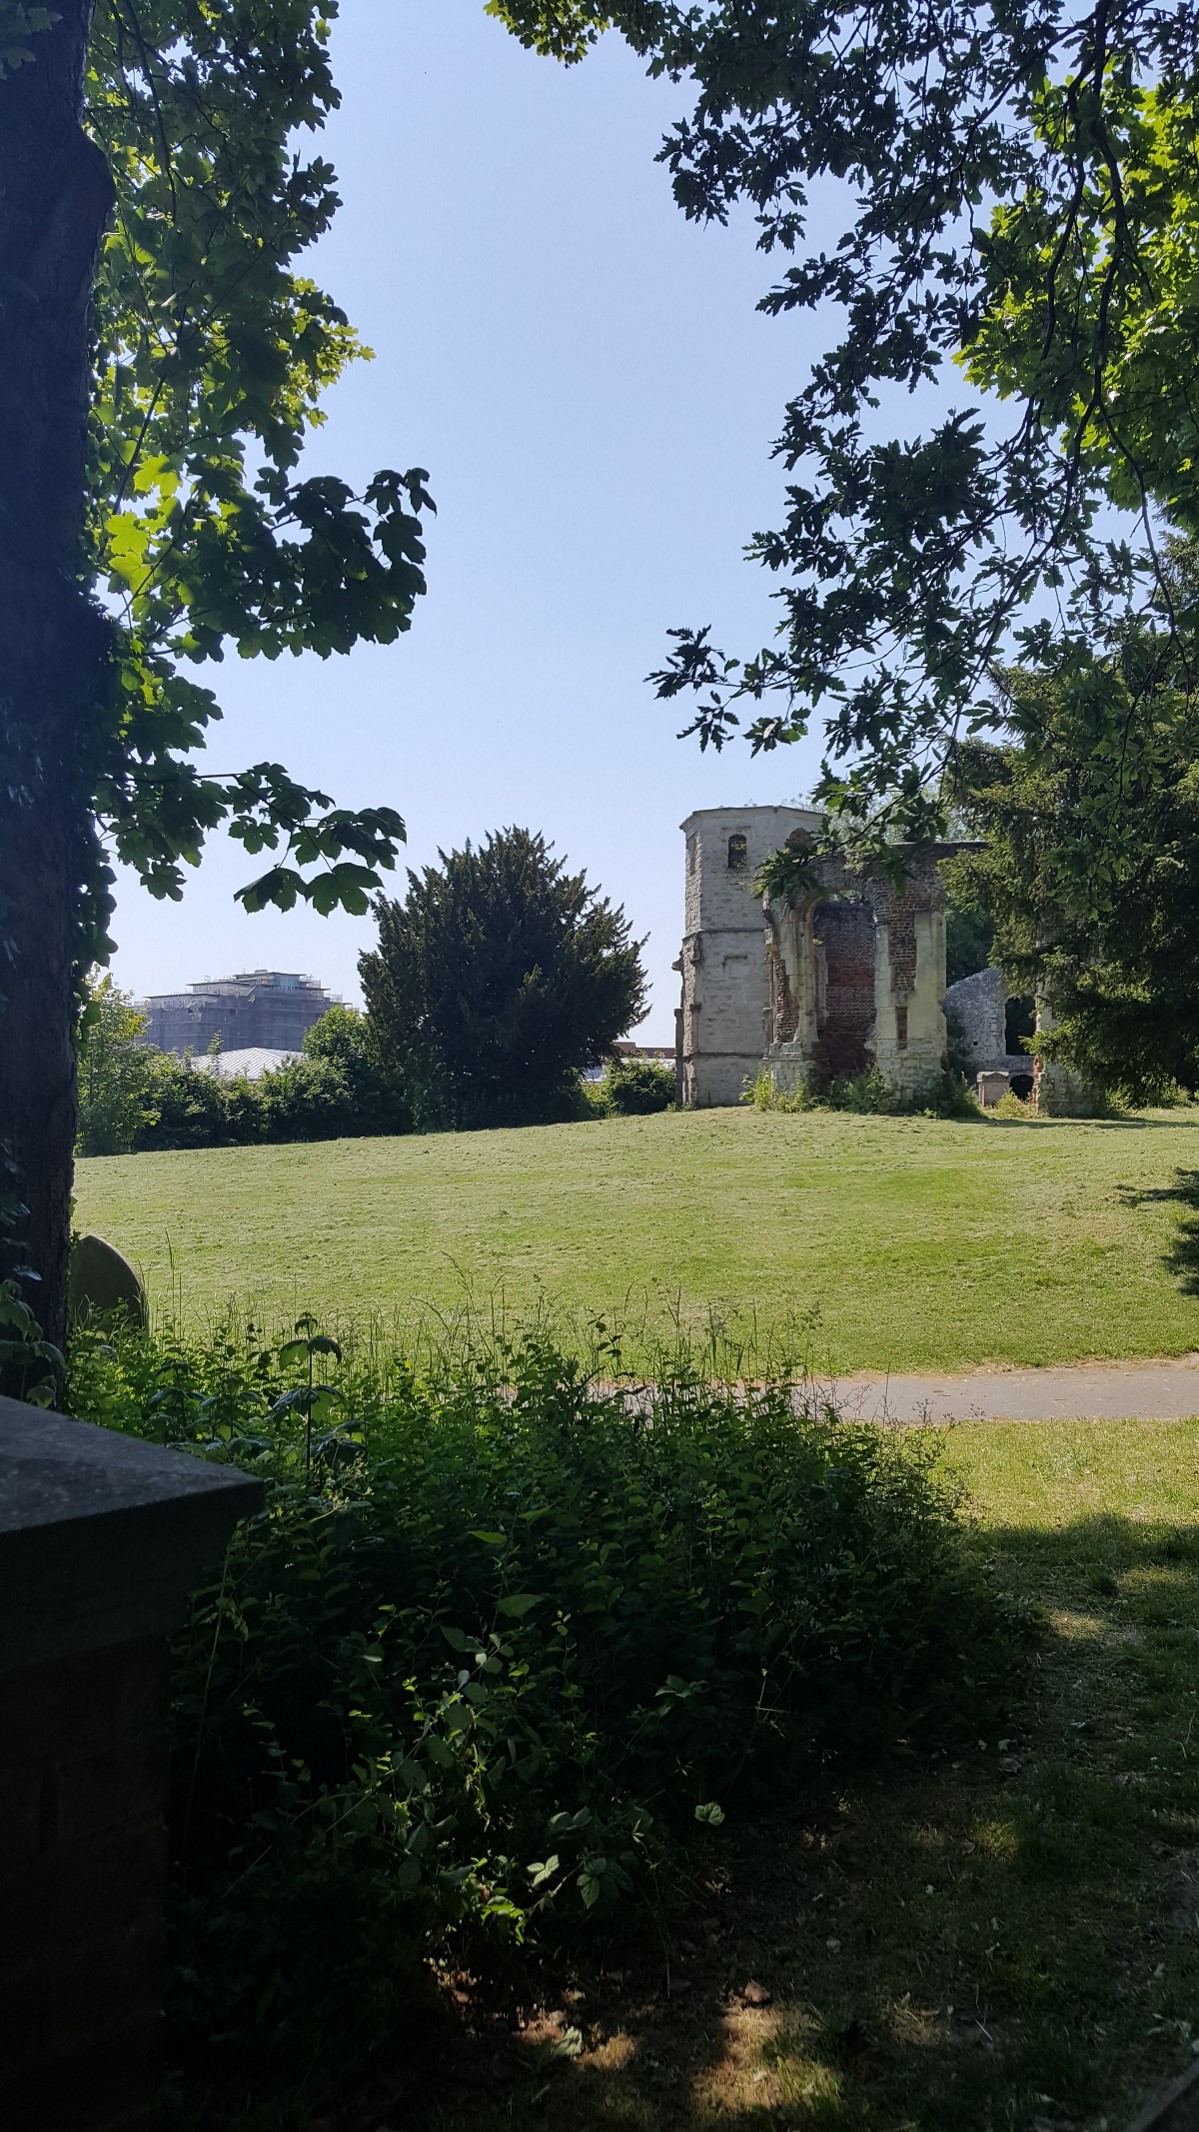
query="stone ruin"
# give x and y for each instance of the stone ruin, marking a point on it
(842, 978)
(979, 1007)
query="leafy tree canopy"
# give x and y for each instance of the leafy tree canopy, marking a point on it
(1090, 870)
(213, 351)
(1022, 218)
(113, 1070)
(495, 980)
(342, 1038)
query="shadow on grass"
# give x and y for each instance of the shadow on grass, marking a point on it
(1182, 1254)
(1006, 1935)
(1094, 1125)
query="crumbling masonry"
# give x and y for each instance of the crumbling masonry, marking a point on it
(845, 974)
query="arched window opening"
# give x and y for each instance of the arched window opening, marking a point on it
(738, 852)
(1019, 1021)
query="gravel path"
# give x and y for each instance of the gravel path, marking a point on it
(1086, 1391)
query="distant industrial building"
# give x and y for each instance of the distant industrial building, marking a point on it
(269, 1010)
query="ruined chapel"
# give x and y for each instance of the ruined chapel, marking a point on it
(844, 975)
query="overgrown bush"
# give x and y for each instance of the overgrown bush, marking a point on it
(306, 1098)
(636, 1088)
(502, 1636)
(186, 1106)
(1011, 1105)
(868, 1094)
(134, 1097)
(113, 1069)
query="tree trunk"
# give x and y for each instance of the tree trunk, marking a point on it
(55, 195)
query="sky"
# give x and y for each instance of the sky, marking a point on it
(587, 380)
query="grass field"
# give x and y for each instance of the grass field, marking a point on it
(874, 1243)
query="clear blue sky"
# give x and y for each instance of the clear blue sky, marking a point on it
(586, 378)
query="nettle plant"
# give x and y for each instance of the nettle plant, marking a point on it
(318, 1403)
(508, 1639)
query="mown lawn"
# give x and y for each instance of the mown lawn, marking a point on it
(1008, 1942)
(864, 1243)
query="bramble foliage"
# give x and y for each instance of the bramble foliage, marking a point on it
(869, 1094)
(504, 1640)
(496, 980)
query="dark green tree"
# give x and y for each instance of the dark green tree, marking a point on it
(969, 940)
(497, 978)
(1089, 871)
(164, 358)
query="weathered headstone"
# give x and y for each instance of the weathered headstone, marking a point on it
(100, 1280)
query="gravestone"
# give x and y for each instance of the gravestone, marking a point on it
(100, 1281)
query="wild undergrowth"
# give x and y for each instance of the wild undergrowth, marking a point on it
(508, 1638)
(945, 1094)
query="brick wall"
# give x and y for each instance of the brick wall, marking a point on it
(845, 932)
(82, 1863)
(100, 1539)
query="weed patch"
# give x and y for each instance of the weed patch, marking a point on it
(506, 1647)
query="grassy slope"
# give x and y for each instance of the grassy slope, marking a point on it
(1007, 1943)
(877, 1242)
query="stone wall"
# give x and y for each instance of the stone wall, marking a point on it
(978, 1003)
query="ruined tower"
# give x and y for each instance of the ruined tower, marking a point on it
(723, 1031)
(844, 974)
